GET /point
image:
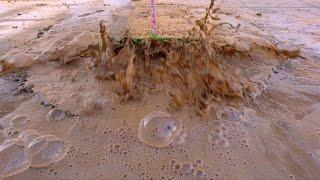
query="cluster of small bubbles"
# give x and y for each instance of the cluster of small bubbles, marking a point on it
(198, 163)
(55, 114)
(181, 138)
(163, 167)
(126, 135)
(218, 135)
(107, 131)
(158, 129)
(244, 143)
(120, 149)
(71, 150)
(188, 168)
(230, 114)
(12, 132)
(52, 171)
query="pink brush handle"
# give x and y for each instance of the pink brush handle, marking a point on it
(153, 17)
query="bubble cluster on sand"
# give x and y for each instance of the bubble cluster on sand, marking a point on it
(13, 157)
(158, 129)
(217, 136)
(30, 150)
(46, 150)
(181, 138)
(230, 114)
(218, 139)
(186, 169)
(55, 115)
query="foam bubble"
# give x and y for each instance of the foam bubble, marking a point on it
(28, 135)
(218, 139)
(198, 163)
(46, 150)
(158, 129)
(187, 167)
(19, 120)
(199, 173)
(13, 157)
(55, 115)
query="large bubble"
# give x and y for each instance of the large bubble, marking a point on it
(13, 158)
(46, 150)
(158, 129)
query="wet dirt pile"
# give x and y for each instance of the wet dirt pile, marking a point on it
(204, 71)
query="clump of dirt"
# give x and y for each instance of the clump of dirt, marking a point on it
(200, 71)
(203, 70)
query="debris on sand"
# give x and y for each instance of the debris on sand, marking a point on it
(198, 71)
(41, 32)
(12, 61)
(74, 48)
(94, 105)
(55, 114)
(65, 53)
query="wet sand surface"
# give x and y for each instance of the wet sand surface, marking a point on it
(274, 135)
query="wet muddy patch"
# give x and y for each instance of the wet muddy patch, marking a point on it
(204, 71)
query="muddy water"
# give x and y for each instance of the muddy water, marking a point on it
(275, 135)
(292, 99)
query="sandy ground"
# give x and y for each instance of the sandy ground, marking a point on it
(277, 136)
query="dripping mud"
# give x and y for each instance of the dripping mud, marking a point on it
(220, 97)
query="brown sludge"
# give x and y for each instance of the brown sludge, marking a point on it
(199, 71)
